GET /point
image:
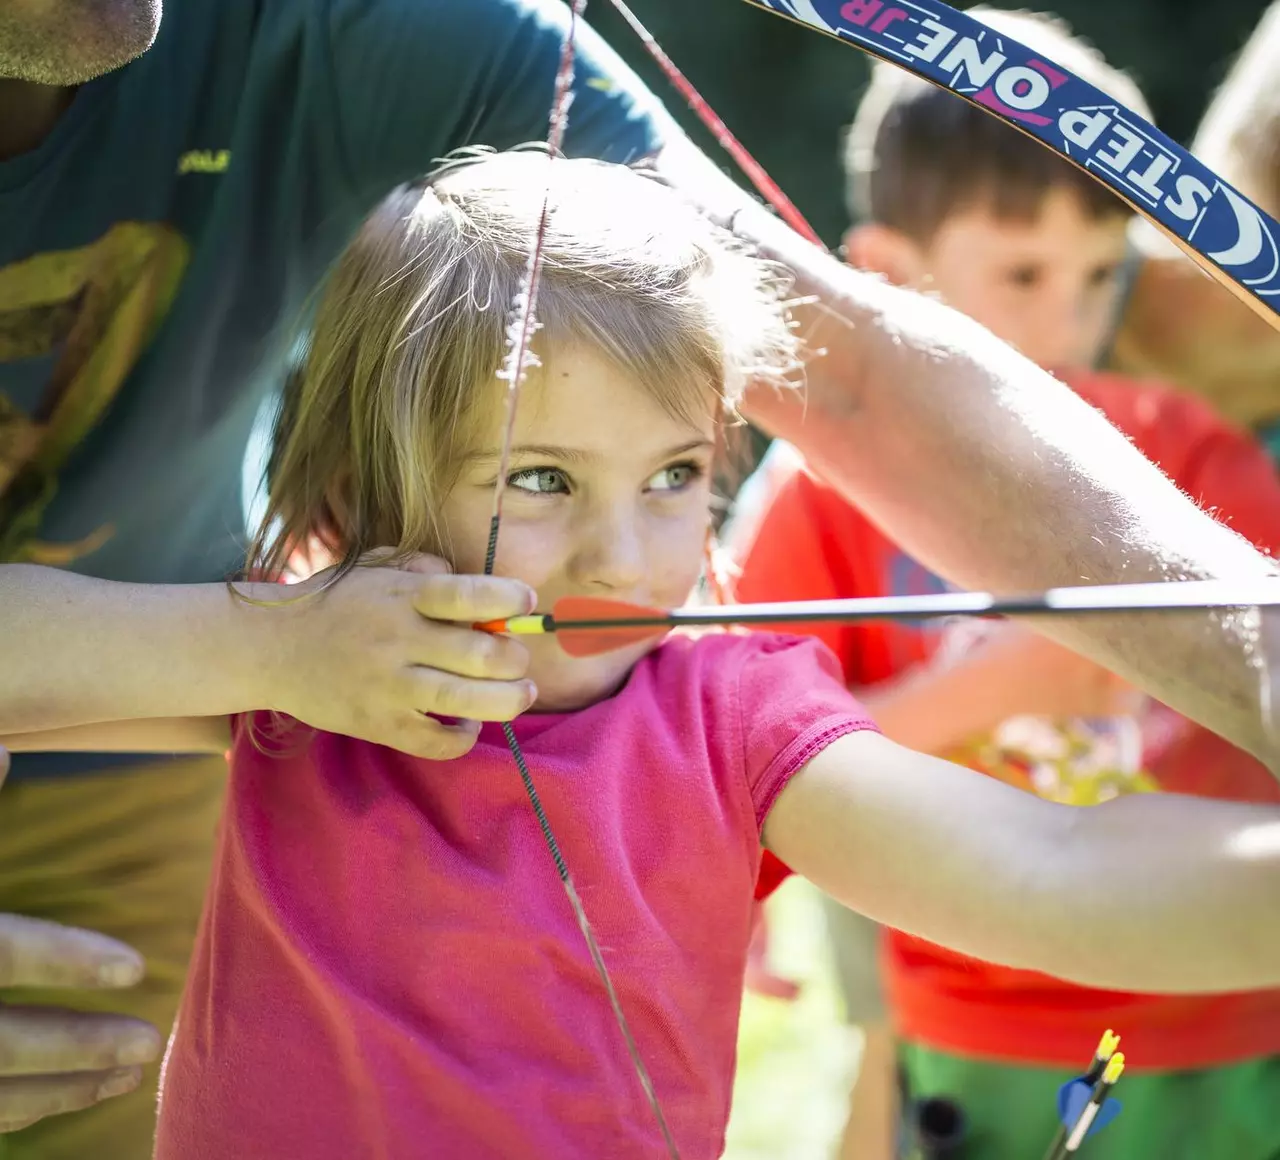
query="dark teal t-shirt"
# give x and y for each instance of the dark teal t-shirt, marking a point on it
(159, 249)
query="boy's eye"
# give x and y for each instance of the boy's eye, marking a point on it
(675, 477)
(1025, 277)
(1101, 275)
(539, 480)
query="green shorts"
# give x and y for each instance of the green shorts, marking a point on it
(1223, 1113)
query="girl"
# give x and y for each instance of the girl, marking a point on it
(387, 965)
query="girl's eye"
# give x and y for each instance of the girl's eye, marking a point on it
(539, 481)
(675, 478)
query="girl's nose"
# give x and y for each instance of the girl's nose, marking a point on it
(611, 553)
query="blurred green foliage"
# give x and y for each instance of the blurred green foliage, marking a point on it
(788, 92)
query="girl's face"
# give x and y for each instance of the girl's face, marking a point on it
(607, 495)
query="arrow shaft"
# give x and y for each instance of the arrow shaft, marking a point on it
(1166, 597)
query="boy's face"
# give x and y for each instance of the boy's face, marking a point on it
(608, 495)
(1046, 286)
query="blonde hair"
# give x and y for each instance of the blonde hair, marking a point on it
(402, 366)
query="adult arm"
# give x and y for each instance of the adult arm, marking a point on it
(996, 476)
(1108, 896)
(368, 657)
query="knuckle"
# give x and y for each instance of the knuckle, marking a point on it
(445, 596)
(430, 740)
(449, 699)
(484, 654)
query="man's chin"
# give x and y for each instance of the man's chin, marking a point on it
(119, 33)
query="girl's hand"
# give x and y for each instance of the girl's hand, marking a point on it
(386, 650)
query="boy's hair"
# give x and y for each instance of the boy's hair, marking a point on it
(402, 368)
(915, 154)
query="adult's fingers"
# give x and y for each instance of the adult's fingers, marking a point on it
(468, 599)
(37, 1041)
(36, 953)
(26, 1099)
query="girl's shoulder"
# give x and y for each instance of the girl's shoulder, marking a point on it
(749, 677)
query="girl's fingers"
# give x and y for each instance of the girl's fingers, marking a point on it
(444, 694)
(468, 652)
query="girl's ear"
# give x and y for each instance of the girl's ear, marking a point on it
(883, 250)
(326, 543)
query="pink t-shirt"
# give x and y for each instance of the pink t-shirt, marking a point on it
(387, 965)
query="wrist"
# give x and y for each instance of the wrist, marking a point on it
(241, 646)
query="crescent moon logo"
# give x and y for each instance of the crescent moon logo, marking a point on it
(1249, 243)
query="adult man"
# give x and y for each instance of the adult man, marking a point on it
(149, 278)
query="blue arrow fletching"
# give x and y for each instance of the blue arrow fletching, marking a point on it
(1072, 1098)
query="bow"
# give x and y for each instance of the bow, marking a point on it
(1214, 224)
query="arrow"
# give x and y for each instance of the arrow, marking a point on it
(587, 626)
(1075, 1094)
(1092, 1110)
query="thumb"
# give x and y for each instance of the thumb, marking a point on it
(4, 763)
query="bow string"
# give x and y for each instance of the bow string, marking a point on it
(523, 323)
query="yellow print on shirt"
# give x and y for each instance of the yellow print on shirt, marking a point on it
(96, 308)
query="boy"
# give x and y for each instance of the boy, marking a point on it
(954, 202)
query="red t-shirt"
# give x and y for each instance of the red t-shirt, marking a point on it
(810, 544)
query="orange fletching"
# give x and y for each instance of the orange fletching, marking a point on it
(597, 639)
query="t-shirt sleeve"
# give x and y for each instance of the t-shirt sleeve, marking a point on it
(792, 704)
(416, 79)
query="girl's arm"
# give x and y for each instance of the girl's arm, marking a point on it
(156, 735)
(371, 656)
(1150, 892)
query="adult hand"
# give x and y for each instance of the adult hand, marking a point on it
(54, 1060)
(384, 651)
